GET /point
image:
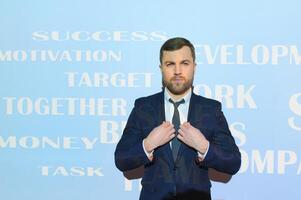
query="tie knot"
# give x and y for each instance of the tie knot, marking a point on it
(176, 104)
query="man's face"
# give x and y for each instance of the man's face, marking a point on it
(178, 70)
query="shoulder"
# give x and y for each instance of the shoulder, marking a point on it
(206, 101)
(151, 99)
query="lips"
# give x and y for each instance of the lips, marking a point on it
(177, 79)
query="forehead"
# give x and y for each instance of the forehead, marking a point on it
(180, 54)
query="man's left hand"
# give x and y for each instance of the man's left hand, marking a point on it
(193, 137)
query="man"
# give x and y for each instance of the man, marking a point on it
(177, 135)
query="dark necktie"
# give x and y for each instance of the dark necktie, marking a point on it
(175, 143)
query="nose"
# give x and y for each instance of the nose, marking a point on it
(177, 70)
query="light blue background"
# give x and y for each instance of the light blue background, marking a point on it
(214, 22)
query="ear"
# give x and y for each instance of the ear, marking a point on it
(194, 66)
(160, 66)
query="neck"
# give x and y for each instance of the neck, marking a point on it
(176, 97)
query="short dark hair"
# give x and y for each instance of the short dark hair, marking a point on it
(176, 43)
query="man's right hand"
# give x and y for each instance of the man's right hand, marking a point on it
(159, 136)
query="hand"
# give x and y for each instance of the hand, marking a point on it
(159, 136)
(193, 137)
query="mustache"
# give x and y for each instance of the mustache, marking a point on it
(177, 77)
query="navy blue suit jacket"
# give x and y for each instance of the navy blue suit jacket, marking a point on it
(163, 177)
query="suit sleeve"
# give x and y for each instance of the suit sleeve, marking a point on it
(223, 154)
(129, 153)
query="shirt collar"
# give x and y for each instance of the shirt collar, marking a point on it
(186, 97)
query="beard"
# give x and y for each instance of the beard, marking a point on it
(178, 87)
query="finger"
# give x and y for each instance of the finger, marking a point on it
(166, 133)
(169, 127)
(168, 124)
(188, 126)
(183, 128)
(185, 124)
(172, 136)
(172, 130)
(180, 137)
(181, 131)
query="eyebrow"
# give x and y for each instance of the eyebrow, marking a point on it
(169, 62)
(186, 60)
(172, 62)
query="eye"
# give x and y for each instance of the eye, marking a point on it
(169, 64)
